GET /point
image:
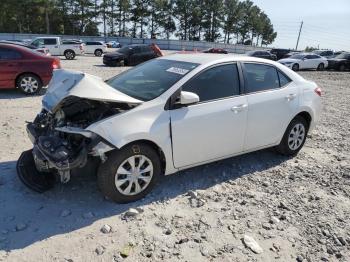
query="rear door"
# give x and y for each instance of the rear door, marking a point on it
(273, 100)
(214, 127)
(10, 62)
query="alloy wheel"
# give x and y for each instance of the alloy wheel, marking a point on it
(134, 175)
(296, 136)
(29, 84)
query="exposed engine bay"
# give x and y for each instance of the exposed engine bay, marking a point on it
(61, 143)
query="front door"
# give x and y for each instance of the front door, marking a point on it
(214, 127)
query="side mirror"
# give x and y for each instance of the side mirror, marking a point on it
(188, 98)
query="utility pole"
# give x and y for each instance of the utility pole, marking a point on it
(301, 26)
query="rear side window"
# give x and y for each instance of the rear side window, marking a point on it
(260, 77)
(8, 54)
(146, 49)
(215, 83)
(50, 41)
(284, 80)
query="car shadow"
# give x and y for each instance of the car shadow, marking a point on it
(14, 93)
(42, 213)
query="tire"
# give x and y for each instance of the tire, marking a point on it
(341, 67)
(290, 146)
(295, 67)
(320, 67)
(29, 84)
(98, 52)
(117, 168)
(69, 54)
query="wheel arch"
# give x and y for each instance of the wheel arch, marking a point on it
(306, 115)
(153, 145)
(25, 73)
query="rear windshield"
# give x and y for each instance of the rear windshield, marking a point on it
(151, 79)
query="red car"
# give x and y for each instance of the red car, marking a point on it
(216, 51)
(25, 69)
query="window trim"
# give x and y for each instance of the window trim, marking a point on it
(267, 90)
(177, 92)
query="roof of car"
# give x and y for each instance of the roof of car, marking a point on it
(204, 58)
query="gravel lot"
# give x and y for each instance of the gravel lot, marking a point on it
(256, 207)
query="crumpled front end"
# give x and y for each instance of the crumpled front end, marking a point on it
(61, 143)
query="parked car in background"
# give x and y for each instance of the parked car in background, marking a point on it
(305, 61)
(24, 41)
(25, 69)
(324, 53)
(42, 50)
(216, 51)
(262, 54)
(95, 47)
(129, 55)
(58, 48)
(340, 62)
(338, 53)
(279, 52)
(114, 44)
(166, 115)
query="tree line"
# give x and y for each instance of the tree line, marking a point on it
(228, 21)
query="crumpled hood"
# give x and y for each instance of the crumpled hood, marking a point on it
(66, 83)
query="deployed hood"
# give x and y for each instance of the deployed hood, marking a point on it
(66, 83)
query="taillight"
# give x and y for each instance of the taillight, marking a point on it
(56, 64)
(318, 91)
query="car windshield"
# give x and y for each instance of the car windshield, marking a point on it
(151, 79)
(297, 56)
(343, 56)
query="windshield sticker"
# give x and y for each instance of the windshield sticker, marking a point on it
(177, 70)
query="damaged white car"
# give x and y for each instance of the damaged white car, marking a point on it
(163, 116)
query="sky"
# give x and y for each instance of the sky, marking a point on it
(326, 22)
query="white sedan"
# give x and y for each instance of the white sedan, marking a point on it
(305, 61)
(165, 115)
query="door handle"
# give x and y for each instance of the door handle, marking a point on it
(238, 108)
(290, 97)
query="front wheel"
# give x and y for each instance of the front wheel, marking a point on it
(130, 173)
(295, 67)
(294, 137)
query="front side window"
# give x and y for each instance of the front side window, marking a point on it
(151, 79)
(260, 77)
(215, 83)
(38, 42)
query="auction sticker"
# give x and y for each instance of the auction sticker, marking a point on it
(177, 70)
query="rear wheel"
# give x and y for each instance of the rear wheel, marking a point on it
(98, 52)
(294, 137)
(342, 67)
(69, 54)
(320, 67)
(295, 67)
(130, 173)
(29, 84)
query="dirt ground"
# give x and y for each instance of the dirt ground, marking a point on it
(294, 209)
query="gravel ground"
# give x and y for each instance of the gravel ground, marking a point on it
(255, 207)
